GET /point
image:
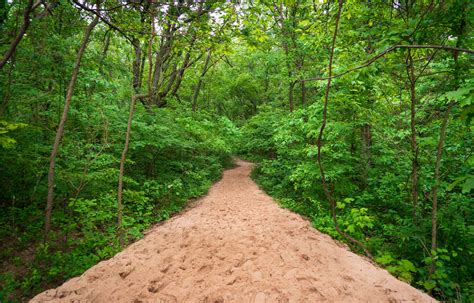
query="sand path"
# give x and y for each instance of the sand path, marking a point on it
(235, 245)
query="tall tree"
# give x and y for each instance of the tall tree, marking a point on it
(61, 126)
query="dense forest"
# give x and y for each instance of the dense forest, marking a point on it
(358, 115)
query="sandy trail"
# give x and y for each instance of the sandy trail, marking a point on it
(235, 245)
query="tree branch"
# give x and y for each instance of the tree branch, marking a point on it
(111, 25)
(26, 22)
(388, 50)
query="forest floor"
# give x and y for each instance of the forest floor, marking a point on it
(235, 245)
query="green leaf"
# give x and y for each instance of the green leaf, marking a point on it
(468, 185)
(429, 285)
(407, 265)
(385, 259)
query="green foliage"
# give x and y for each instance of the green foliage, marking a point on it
(174, 156)
(403, 269)
(5, 127)
(263, 56)
(379, 212)
(357, 220)
(8, 285)
(439, 280)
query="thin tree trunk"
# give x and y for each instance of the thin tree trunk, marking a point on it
(120, 230)
(150, 51)
(3, 13)
(302, 82)
(161, 96)
(184, 66)
(414, 147)
(365, 152)
(442, 139)
(201, 78)
(165, 49)
(8, 90)
(136, 65)
(291, 83)
(319, 143)
(142, 66)
(104, 54)
(291, 87)
(60, 130)
(101, 62)
(303, 92)
(180, 74)
(439, 153)
(26, 22)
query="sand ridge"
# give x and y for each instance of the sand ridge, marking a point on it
(235, 245)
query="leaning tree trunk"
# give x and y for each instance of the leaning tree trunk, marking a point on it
(136, 64)
(327, 192)
(26, 22)
(62, 123)
(120, 230)
(201, 78)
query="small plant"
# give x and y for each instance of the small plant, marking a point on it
(357, 221)
(438, 278)
(8, 284)
(403, 269)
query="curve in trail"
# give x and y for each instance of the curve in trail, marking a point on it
(235, 245)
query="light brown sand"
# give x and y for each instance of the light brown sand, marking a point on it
(235, 245)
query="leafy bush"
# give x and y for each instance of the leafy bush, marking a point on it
(174, 156)
(379, 212)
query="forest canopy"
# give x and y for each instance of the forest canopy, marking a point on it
(358, 115)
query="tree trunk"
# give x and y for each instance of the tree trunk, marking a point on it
(442, 139)
(303, 92)
(161, 96)
(162, 55)
(365, 152)
(327, 192)
(8, 90)
(120, 230)
(104, 54)
(60, 130)
(26, 22)
(291, 87)
(180, 75)
(184, 66)
(201, 78)
(414, 148)
(439, 153)
(302, 82)
(291, 83)
(136, 65)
